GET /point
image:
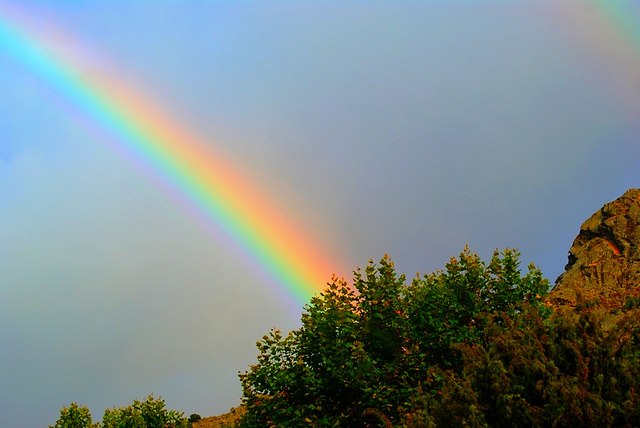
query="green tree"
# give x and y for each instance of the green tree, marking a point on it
(74, 416)
(564, 371)
(456, 305)
(123, 417)
(364, 352)
(150, 413)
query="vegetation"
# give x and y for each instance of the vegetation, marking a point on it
(565, 371)
(74, 416)
(150, 413)
(475, 345)
(385, 353)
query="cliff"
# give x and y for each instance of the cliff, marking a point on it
(604, 260)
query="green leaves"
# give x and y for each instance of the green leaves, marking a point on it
(74, 416)
(371, 348)
(565, 370)
(150, 413)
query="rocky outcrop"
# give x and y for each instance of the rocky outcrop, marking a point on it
(604, 260)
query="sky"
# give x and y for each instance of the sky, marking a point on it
(410, 128)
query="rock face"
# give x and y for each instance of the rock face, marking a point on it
(604, 260)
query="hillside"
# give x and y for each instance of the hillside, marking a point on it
(221, 420)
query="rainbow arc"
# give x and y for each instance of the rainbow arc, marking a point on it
(220, 193)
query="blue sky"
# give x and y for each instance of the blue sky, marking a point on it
(408, 128)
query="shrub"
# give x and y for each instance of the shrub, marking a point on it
(150, 413)
(123, 417)
(194, 417)
(564, 371)
(74, 416)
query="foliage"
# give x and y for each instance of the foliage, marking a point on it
(364, 353)
(194, 417)
(150, 413)
(123, 417)
(565, 371)
(74, 416)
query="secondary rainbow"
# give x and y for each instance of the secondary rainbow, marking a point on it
(608, 33)
(221, 194)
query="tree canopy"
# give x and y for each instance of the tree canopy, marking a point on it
(474, 345)
(385, 352)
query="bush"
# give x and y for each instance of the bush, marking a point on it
(74, 416)
(564, 371)
(123, 417)
(364, 353)
(150, 413)
(194, 417)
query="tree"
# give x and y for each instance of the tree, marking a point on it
(364, 352)
(74, 416)
(564, 371)
(150, 413)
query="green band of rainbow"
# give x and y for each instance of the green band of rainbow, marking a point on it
(218, 191)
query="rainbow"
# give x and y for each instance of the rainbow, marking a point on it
(609, 36)
(220, 193)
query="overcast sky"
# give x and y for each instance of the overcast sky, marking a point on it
(408, 128)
